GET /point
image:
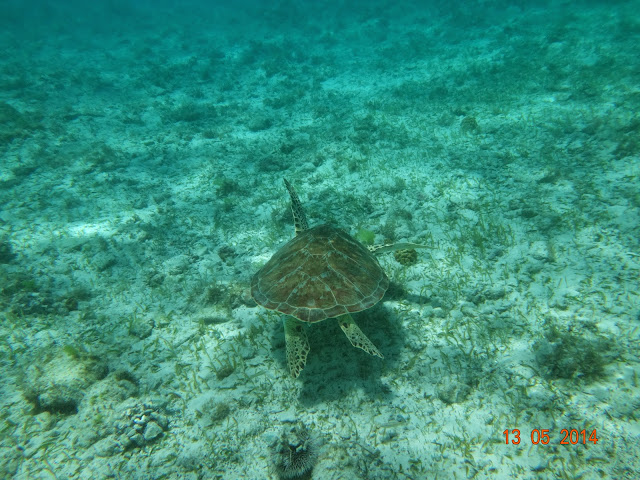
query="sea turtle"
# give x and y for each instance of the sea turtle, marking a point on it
(321, 273)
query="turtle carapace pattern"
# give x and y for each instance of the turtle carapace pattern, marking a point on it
(321, 273)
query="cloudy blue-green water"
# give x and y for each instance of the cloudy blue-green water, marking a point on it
(491, 147)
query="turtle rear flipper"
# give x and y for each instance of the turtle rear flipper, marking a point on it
(297, 345)
(356, 337)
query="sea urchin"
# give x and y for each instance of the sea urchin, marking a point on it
(296, 453)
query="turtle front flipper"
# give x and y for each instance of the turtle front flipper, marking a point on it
(355, 335)
(299, 218)
(297, 345)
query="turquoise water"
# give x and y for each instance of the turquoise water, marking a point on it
(143, 147)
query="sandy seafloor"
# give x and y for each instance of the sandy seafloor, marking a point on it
(142, 155)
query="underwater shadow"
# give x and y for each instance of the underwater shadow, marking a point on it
(334, 367)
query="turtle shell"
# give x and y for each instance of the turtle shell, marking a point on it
(321, 273)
